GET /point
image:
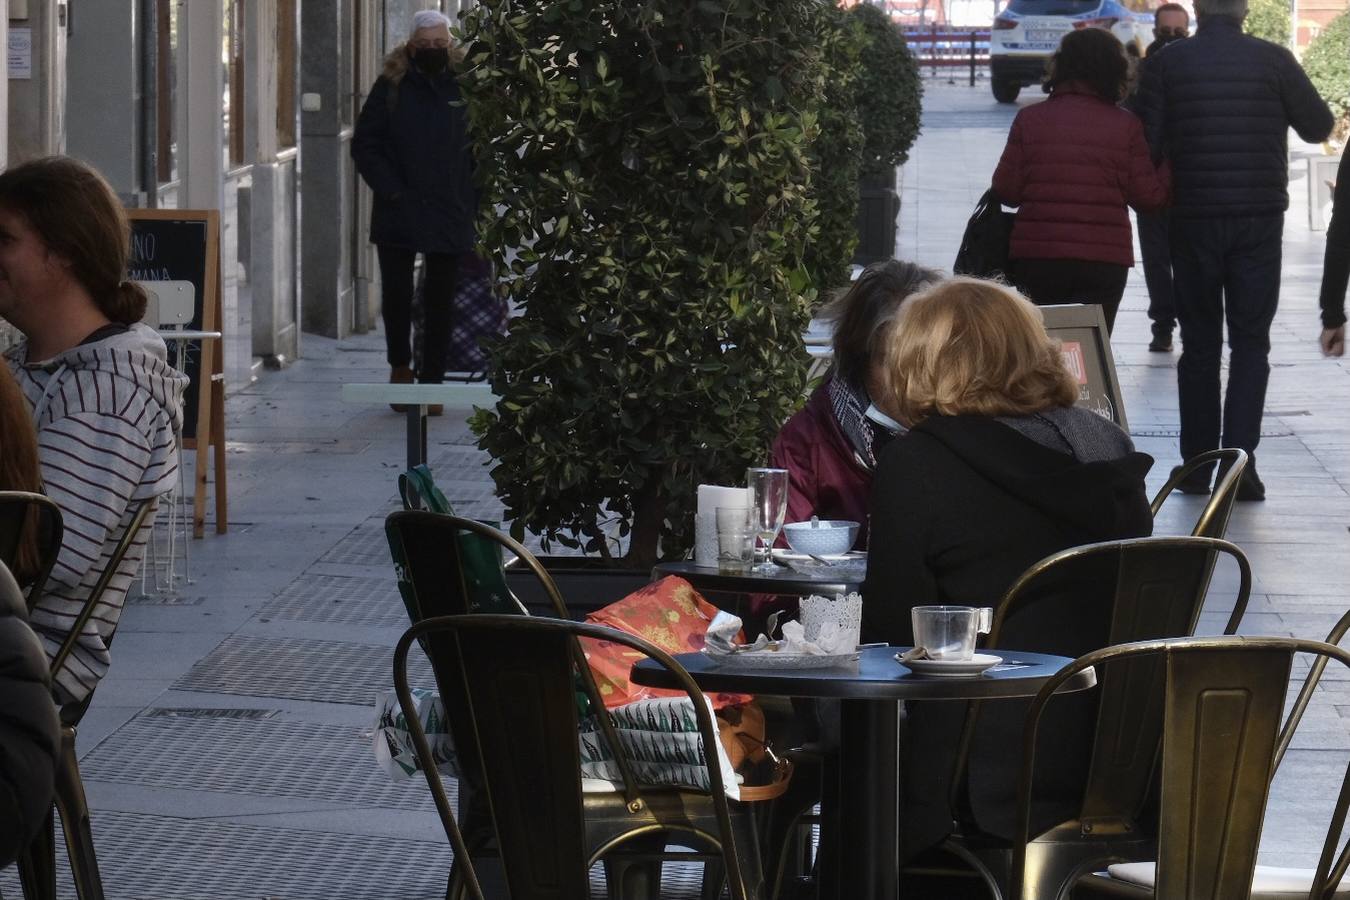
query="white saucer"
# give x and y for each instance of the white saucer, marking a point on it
(976, 665)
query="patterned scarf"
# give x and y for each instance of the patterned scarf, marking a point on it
(849, 405)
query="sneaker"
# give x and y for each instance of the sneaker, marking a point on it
(1161, 343)
(400, 375)
(1195, 483)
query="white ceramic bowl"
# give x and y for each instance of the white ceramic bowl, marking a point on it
(828, 538)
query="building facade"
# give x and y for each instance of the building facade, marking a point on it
(246, 106)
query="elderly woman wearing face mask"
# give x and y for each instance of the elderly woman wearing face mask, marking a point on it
(411, 147)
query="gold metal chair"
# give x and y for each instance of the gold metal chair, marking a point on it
(1154, 588)
(1222, 699)
(1213, 521)
(516, 675)
(20, 513)
(37, 868)
(438, 579)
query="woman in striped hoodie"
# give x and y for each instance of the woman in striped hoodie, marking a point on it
(105, 401)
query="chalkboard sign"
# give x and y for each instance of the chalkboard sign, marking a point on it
(175, 245)
(184, 245)
(1086, 346)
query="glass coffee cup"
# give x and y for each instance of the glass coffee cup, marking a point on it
(949, 632)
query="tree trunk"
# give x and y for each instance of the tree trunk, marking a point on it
(645, 539)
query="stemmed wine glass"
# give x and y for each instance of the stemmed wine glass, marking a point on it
(768, 507)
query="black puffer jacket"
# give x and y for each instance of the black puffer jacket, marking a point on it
(1219, 105)
(29, 730)
(411, 146)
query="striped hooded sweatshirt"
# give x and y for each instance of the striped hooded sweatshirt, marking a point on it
(107, 413)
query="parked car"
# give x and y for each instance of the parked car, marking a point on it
(1027, 32)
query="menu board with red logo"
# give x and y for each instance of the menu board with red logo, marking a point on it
(1086, 347)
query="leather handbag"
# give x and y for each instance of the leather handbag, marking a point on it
(984, 246)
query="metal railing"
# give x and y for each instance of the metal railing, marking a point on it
(948, 46)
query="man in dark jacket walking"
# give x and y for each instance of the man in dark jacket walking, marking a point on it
(1171, 23)
(411, 147)
(1219, 106)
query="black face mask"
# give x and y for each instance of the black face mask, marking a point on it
(432, 60)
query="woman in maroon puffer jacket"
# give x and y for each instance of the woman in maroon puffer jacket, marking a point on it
(1071, 166)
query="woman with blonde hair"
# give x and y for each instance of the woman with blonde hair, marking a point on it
(998, 470)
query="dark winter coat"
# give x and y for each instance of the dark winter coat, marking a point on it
(1072, 164)
(411, 146)
(29, 730)
(1219, 106)
(961, 506)
(825, 476)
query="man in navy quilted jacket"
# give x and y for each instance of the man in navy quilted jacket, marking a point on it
(1219, 106)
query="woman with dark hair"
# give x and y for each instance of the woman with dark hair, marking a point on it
(831, 446)
(1072, 165)
(103, 398)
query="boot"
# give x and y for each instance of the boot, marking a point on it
(400, 375)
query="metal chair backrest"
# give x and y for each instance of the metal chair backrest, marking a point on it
(440, 576)
(517, 674)
(442, 584)
(1094, 596)
(20, 512)
(1222, 700)
(143, 511)
(1305, 693)
(1213, 521)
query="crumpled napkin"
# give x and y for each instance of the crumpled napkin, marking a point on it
(913, 653)
(724, 627)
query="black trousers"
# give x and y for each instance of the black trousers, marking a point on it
(1050, 281)
(1225, 270)
(396, 277)
(1156, 250)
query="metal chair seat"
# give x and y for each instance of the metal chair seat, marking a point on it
(1268, 883)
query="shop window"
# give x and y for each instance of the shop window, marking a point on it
(286, 72)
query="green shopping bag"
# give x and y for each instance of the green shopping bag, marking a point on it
(484, 574)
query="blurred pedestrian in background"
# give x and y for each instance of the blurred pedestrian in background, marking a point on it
(1171, 23)
(411, 146)
(1072, 166)
(1219, 107)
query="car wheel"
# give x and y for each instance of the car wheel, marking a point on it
(1006, 91)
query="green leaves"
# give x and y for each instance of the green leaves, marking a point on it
(891, 92)
(647, 179)
(1327, 62)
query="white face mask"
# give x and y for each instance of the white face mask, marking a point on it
(883, 420)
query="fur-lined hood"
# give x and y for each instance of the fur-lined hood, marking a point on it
(396, 64)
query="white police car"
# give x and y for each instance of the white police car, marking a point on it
(1027, 32)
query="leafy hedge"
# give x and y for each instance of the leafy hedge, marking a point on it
(837, 152)
(1268, 19)
(891, 92)
(646, 180)
(1327, 62)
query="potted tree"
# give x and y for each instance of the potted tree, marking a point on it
(646, 200)
(890, 104)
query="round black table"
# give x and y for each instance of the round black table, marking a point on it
(868, 813)
(782, 581)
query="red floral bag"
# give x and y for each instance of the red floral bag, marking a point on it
(668, 613)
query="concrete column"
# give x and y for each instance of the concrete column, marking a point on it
(328, 175)
(104, 105)
(36, 112)
(201, 135)
(274, 213)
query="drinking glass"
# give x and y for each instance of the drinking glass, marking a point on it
(735, 540)
(768, 508)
